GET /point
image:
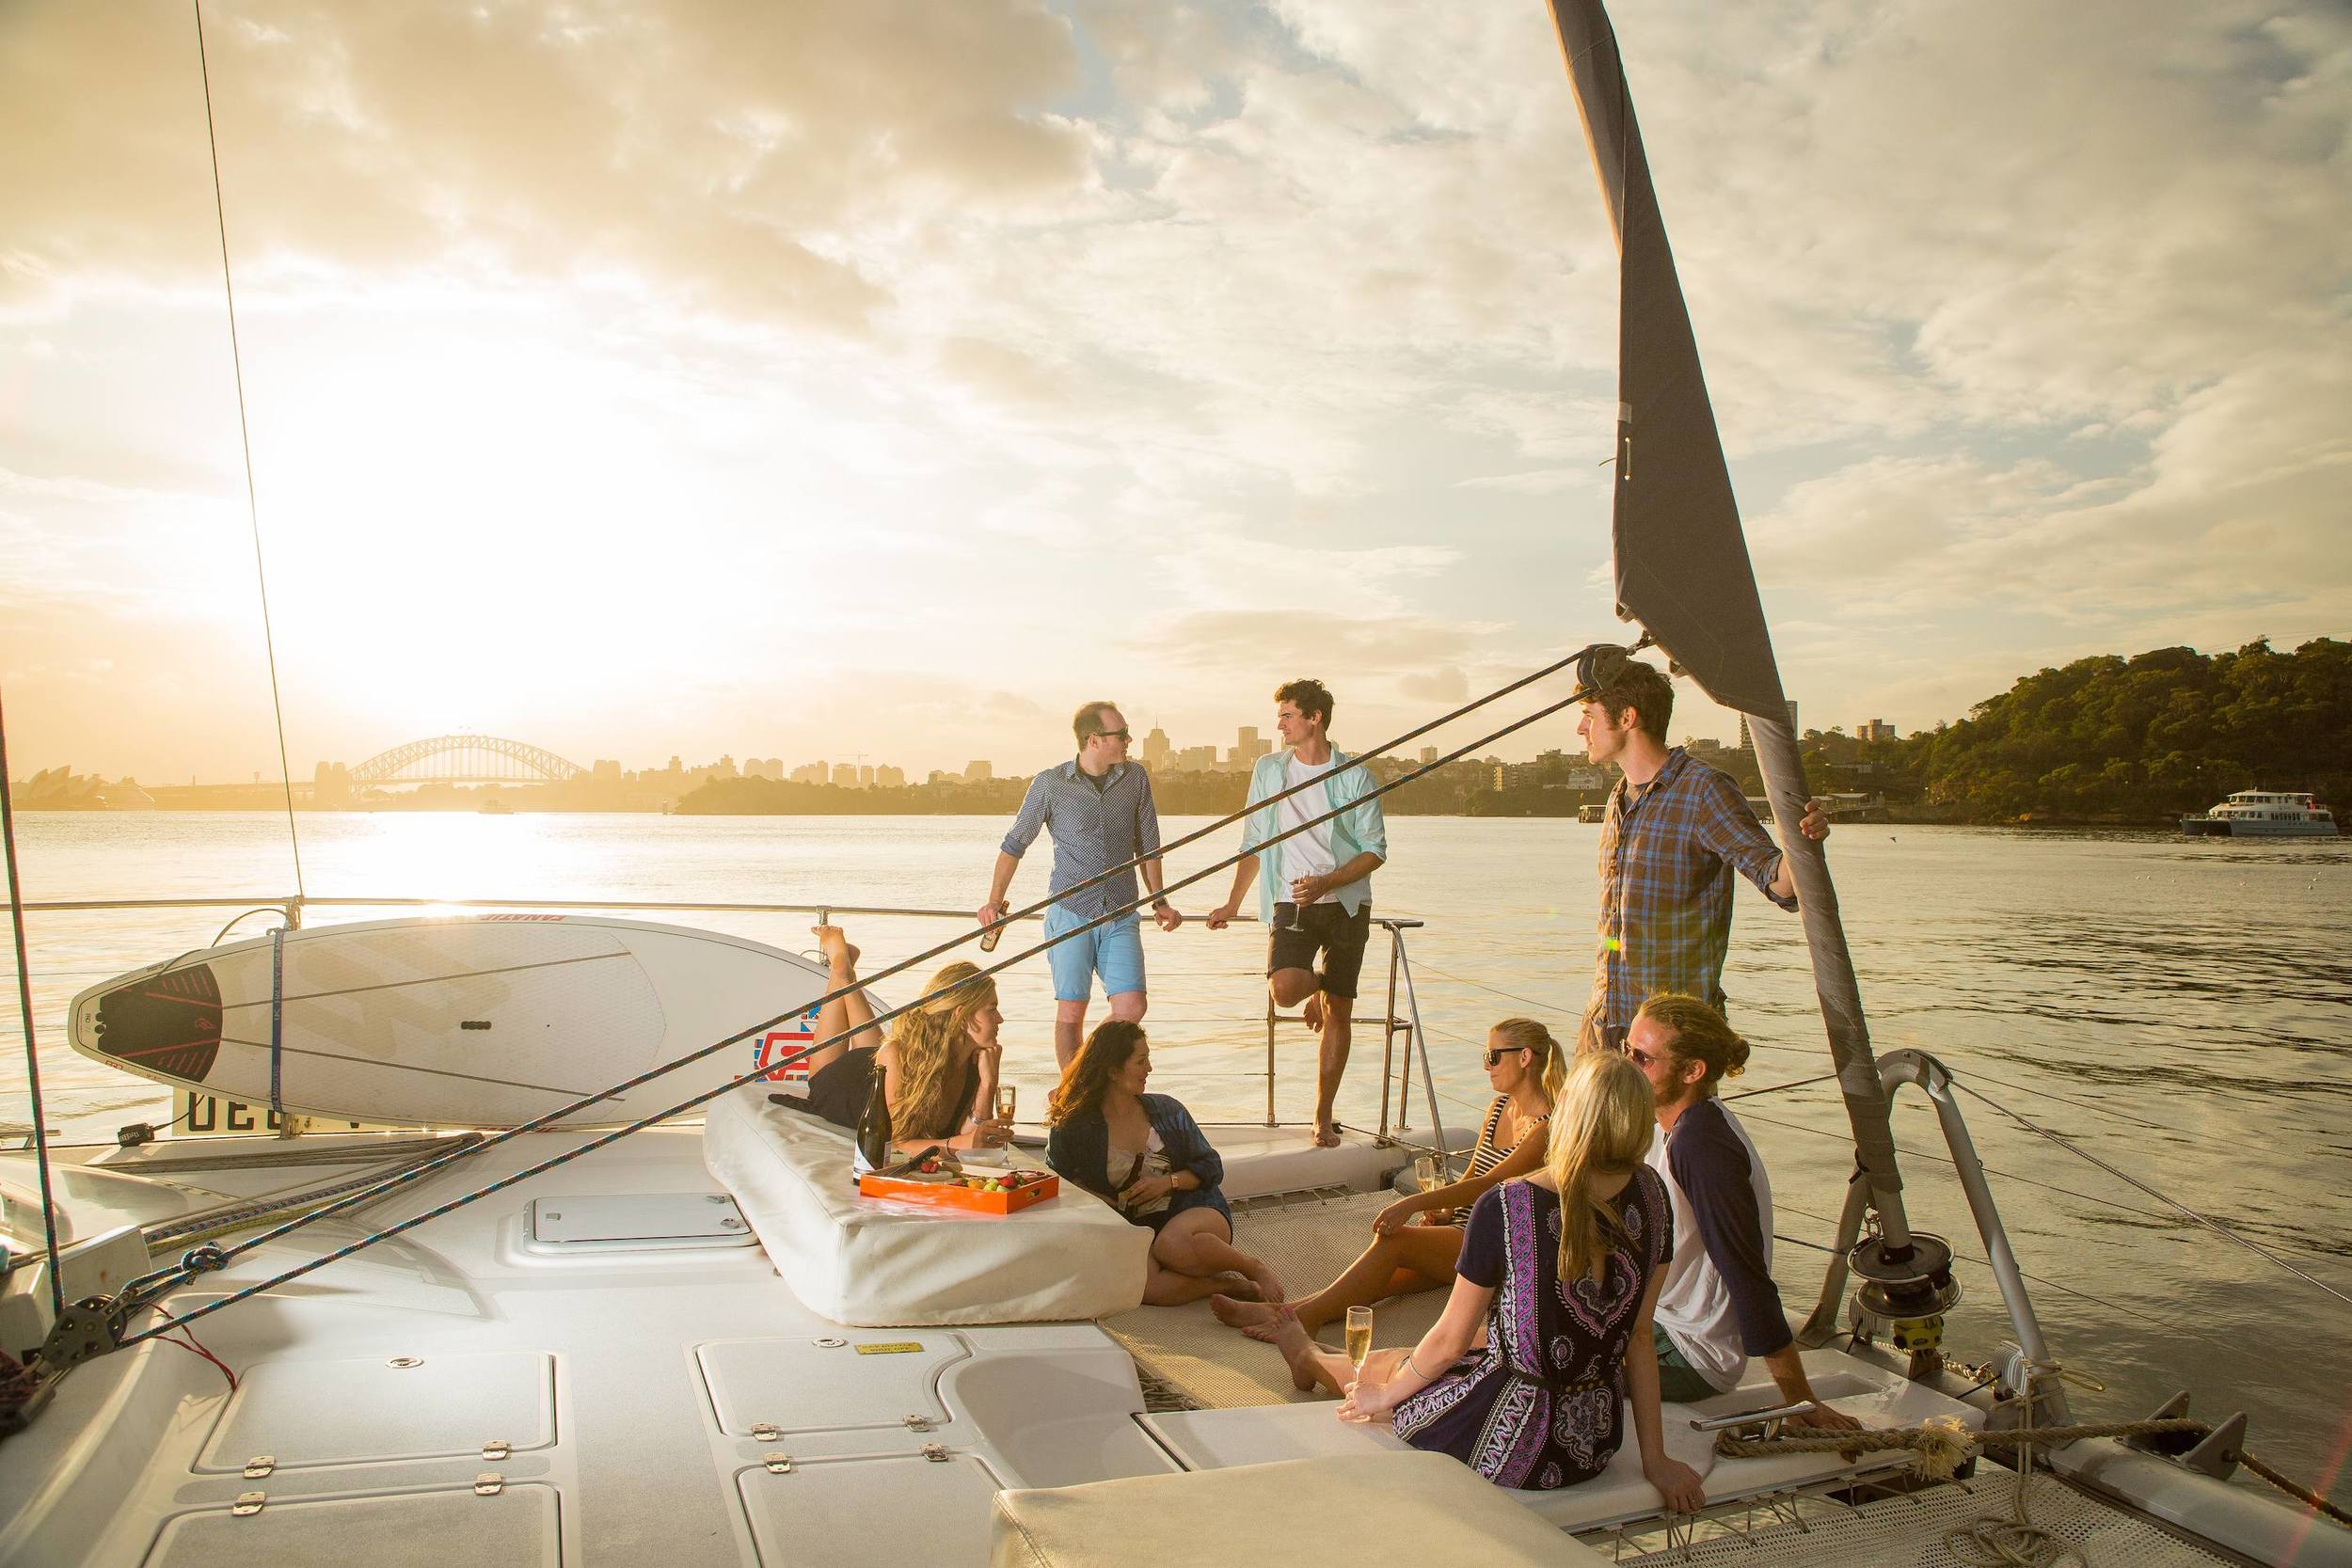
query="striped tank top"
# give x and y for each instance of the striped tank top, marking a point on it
(1488, 1154)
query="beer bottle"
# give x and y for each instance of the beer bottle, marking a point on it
(873, 1127)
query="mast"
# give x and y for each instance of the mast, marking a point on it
(1683, 572)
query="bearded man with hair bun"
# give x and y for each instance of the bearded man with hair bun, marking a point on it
(1718, 1305)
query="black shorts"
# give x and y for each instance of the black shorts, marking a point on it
(1328, 929)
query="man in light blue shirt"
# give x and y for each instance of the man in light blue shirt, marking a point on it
(1098, 808)
(1316, 899)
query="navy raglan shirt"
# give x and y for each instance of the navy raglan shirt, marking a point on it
(1711, 1164)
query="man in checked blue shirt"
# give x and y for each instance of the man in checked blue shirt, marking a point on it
(1098, 807)
(1675, 830)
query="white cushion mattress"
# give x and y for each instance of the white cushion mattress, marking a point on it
(868, 1263)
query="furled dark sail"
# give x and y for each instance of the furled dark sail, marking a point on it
(1682, 561)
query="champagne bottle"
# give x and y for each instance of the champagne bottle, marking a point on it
(873, 1126)
(989, 940)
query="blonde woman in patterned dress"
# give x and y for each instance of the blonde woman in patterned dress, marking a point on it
(1416, 1240)
(1547, 1331)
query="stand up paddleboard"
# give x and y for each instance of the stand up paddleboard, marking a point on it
(476, 1023)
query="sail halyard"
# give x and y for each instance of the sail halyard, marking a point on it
(1682, 566)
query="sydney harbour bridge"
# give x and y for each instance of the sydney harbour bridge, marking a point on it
(465, 759)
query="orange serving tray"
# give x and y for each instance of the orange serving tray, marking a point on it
(954, 1194)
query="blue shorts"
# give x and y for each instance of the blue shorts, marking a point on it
(1114, 951)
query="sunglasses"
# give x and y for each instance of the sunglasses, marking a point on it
(1113, 734)
(1494, 1058)
(1641, 1058)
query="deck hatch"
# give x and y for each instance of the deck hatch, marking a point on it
(794, 1385)
(451, 1529)
(899, 1507)
(630, 1222)
(369, 1409)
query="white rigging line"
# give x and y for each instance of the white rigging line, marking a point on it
(2046, 1186)
(244, 436)
(2213, 1224)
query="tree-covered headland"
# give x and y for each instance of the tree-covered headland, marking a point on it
(2144, 738)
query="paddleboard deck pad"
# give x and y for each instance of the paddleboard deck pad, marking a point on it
(487, 1022)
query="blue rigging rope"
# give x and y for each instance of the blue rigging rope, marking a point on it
(203, 1259)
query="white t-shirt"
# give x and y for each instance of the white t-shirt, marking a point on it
(1697, 1308)
(1310, 853)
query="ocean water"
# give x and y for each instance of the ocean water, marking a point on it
(2180, 1008)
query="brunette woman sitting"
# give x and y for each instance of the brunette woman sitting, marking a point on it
(939, 1066)
(1533, 1397)
(1145, 1156)
(1416, 1240)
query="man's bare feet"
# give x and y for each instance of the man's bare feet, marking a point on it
(1311, 1012)
(1239, 1287)
(1269, 1286)
(1297, 1349)
(1326, 1132)
(1234, 1312)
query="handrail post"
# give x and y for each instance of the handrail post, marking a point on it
(1270, 1016)
(1421, 1043)
(1387, 1036)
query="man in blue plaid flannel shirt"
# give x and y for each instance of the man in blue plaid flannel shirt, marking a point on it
(1675, 830)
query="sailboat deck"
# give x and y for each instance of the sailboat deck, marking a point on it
(469, 1394)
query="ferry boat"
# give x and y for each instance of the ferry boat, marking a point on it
(2263, 813)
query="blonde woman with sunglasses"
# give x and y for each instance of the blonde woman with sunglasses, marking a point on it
(1416, 1240)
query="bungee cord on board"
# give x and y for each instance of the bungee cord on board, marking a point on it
(149, 1287)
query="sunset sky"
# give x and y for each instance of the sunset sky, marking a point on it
(886, 377)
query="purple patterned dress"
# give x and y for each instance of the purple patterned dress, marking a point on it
(1542, 1405)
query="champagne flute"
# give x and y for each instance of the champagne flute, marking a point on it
(1425, 1171)
(1358, 1346)
(1008, 1097)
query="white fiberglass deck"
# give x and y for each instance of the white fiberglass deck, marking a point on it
(629, 1388)
(632, 1392)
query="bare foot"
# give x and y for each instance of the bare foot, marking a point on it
(835, 944)
(1269, 1287)
(1311, 1011)
(1297, 1349)
(1240, 1287)
(1243, 1315)
(1327, 1133)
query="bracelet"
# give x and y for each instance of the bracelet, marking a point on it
(1416, 1370)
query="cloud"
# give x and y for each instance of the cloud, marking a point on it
(928, 329)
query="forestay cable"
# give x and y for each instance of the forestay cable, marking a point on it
(24, 1002)
(244, 437)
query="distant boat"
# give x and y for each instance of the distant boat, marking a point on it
(1592, 814)
(496, 808)
(2263, 813)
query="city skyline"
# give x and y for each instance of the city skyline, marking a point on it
(681, 391)
(1154, 750)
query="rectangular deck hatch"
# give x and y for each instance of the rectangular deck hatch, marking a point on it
(517, 1529)
(824, 1384)
(897, 1508)
(381, 1407)
(634, 1222)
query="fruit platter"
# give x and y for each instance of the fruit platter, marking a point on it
(938, 1180)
